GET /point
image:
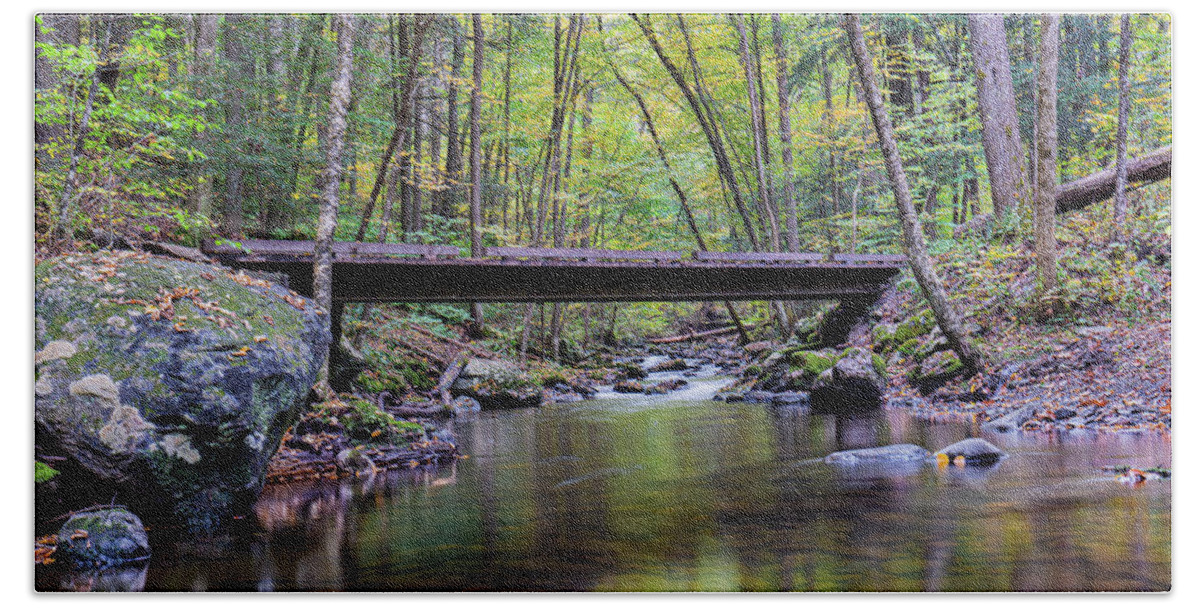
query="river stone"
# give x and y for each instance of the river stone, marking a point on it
(851, 385)
(176, 411)
(1010, 421)
(974, 451)
(904, 452)
(497, 384)
(103, 539)
(670, 365)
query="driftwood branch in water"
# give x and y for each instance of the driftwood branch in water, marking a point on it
(449, 376)
(732, 329)
(1101, 185)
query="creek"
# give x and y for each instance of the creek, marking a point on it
(678, 492)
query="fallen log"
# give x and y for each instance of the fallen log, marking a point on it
(1093, 188)
(1101, 185)
(482, 353)
(712, 333)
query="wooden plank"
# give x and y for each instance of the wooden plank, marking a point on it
(755, 256)
(545, 253)
(869, 258)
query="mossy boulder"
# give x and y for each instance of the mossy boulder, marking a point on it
(852, 384)
(497, 384)
(937, 369)
(168, 383)
(102, 539)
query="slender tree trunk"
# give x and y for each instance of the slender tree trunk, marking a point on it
(63, 228)
(449, 197)
(705, 118)
(201, 197)
(785, 137)
(420, 24)
(948, 317)
(1119, 200)
(339, 100)
(241, 70)
(1043, 224)
(764, 201)
(998, 112)
(476, 168)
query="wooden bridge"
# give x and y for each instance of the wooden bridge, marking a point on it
(375, 272)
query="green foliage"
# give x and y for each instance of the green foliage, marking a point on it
(43, 472)
(364, 422)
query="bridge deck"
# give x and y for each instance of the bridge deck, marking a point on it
(369, 274)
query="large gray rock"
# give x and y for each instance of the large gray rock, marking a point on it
(904, 452)
(853, 384)
(497, 384)
(973, 451)
(102, 539)
(168, 383)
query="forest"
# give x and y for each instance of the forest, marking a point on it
(1020, 164)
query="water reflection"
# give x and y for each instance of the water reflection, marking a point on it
(667, 494)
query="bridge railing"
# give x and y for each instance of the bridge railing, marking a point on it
(589, 255)
(344, 250)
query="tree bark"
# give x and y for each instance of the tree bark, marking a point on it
(1119, 199)
(998, 112)
(420, 24)
(948, 317)
(241, 71)
(448, 198)
(63, 228)
(1099, 186)
(339, 100)
(792, 233)
(476, 168)
(1043, 221)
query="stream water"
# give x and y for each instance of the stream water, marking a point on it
(681, 493)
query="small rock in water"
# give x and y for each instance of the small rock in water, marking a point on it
(758, 397)
(1011, 421)
(972, 451)
(904, 452)
(670, 365)
(629, 386)
(102, 539)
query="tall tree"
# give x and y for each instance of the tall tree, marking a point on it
(1043, 221)
(339, 101)
(476, 167)
(948, 317)
(792, 232)
(1119, 199)
(998, 112)
(449, 197)
(238, 77)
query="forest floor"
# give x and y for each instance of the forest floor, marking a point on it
(1102, 360)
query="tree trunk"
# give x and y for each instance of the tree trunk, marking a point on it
(1043, 223)
(998, 112)
(476, 168)
(200, 199)
(792, 233)
(241, 72)
(724, 167)
(339, 100)
(764, 202)
(948, 317)
(448, 198)
(63, 227)
(420, 24)
(1119, 201)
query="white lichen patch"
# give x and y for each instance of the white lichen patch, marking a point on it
(255, 441)
(96, 385)
(180, 446)
(125, 430)
(58, 349)
(116, 322)
(42, 387)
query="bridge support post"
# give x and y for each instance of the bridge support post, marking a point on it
(847, 320)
